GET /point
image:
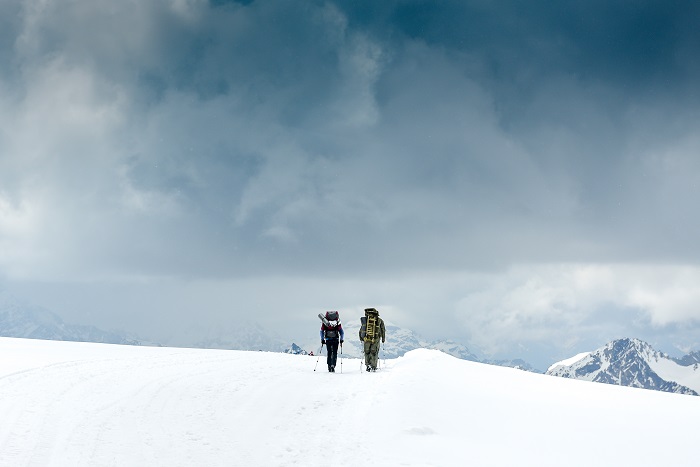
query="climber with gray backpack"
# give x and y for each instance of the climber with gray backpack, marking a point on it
(372, 332)
(331, 335)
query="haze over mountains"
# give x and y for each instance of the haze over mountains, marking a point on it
(21, 320)
(626, 362)
(17, 320)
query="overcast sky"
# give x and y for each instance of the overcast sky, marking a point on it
(521, 176)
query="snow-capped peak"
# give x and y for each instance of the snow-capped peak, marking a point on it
(630, 362)
(569, 361)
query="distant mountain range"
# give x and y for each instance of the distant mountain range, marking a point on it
(242, 335)
(627, 362)
(634, 363)
(20, 320)
(25, 321)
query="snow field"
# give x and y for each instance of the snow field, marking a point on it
(79, 404)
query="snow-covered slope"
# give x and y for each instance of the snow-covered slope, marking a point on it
(79, 404)
(631, 362)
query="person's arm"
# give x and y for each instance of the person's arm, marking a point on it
(323, 339)
(383, 332)
(342, 333)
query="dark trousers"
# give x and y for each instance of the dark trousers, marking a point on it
(332, 348)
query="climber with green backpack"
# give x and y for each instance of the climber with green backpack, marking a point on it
(372, 332)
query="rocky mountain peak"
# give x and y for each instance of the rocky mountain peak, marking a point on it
(625, 362)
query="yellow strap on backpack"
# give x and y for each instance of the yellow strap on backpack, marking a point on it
(371, 327)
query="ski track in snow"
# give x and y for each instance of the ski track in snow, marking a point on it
(77, 404)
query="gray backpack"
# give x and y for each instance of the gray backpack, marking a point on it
(332, 323)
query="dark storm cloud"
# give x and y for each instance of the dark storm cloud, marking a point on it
(393, 139)
(287, 132)
(212, 96)
(629, 43)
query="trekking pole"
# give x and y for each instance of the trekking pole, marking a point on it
(320, 351)
(341, 358)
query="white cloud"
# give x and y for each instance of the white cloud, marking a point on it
(16, 220)
(668, 294)
(566, 303)
(19, 224)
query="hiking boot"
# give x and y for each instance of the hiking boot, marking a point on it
(369, 368)
(332, 368)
